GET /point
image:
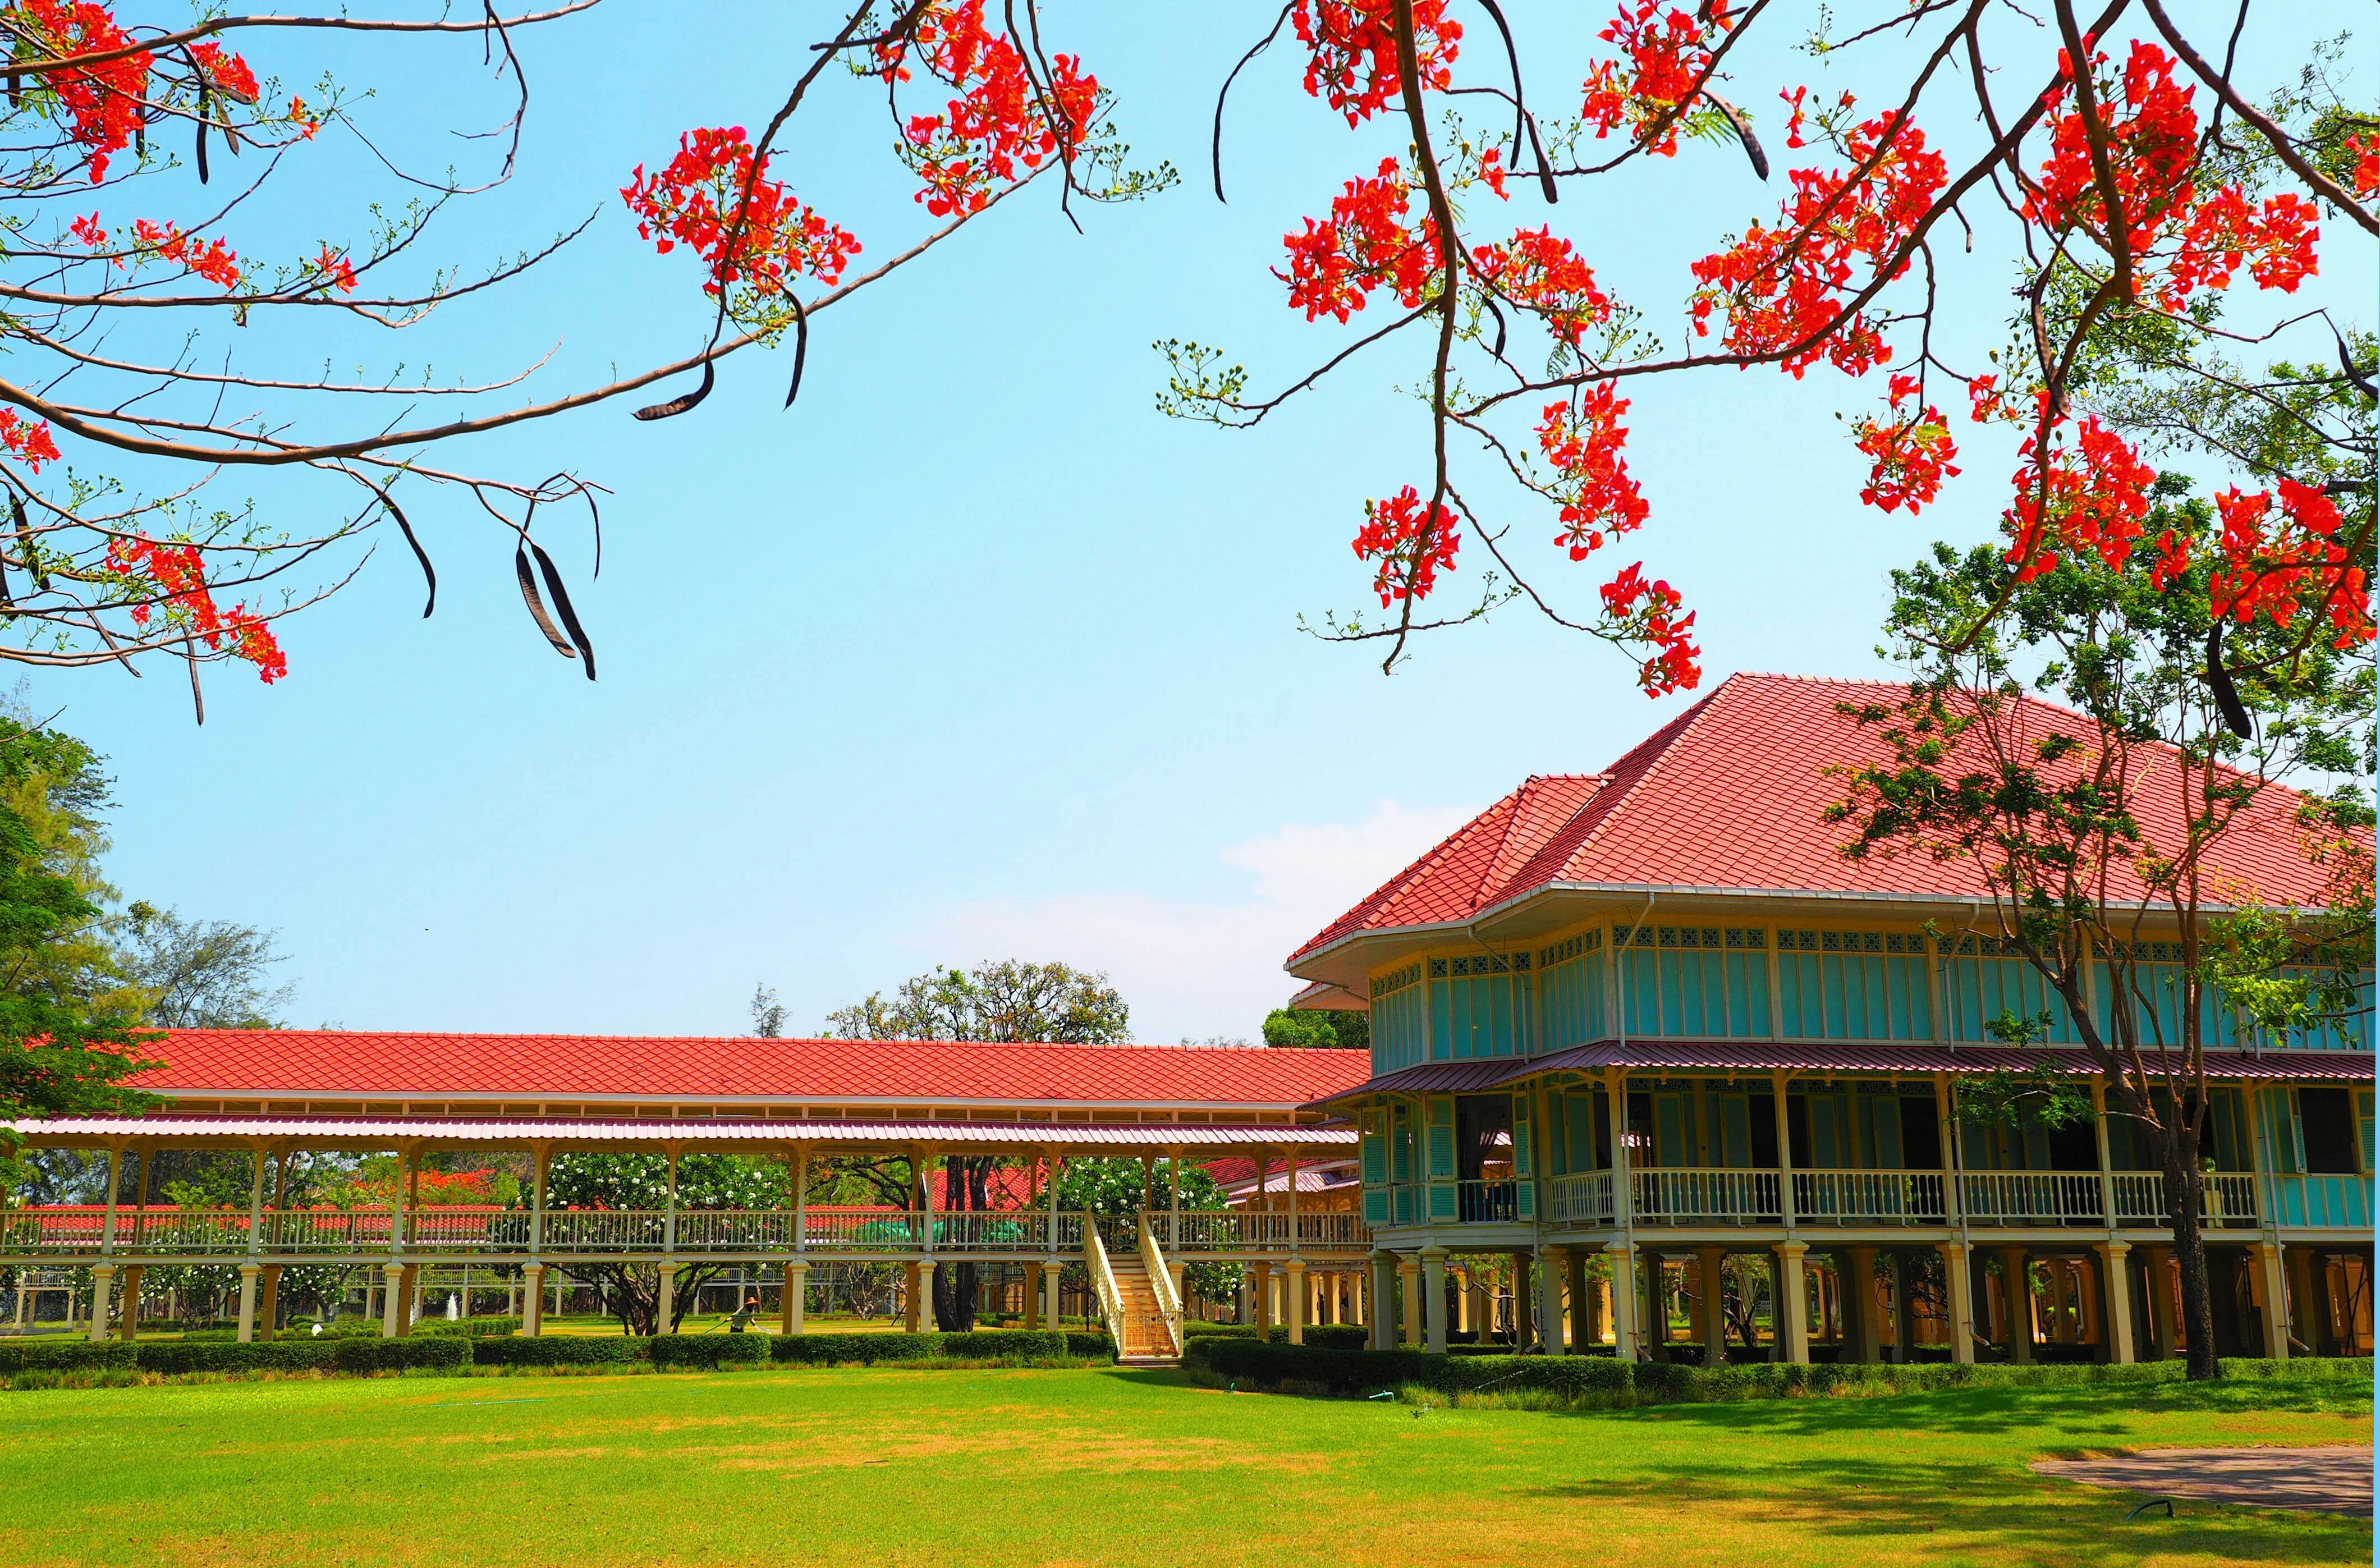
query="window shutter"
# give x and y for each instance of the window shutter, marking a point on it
(1441, 1143)
(1524, 1153)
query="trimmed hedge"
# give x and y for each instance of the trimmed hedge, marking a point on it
(1597, 1379)
(64, 1355)
(708, 1350)
(1096, 1345)
(1323, 1336)
(984, 1345)
(562, 1350)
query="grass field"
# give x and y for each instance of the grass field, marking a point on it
(1108, 1467)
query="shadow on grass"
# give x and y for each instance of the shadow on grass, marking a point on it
(2026, 1519)
(2079, 1411)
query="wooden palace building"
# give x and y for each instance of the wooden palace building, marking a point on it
(1655, 1071)
(1650, 1025)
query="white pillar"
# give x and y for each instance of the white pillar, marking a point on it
(1293, 1298)
(1624, 1337)
(391, 1299)
(102, 1285)
(532, 1299)
(248, 1273)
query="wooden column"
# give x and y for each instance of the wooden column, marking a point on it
(1583, 1329)
(2016, 1296)
(2305, 1302)
(1524, 1324)
(1260, 1295)
(665, 1298)
(1383, 1300)
(2156, 1270)
(2271, 1288)
(2116, 1283)
(248, 1278)
(1292, 1297)
(127, 1315)
(1032, 1297)
(1409, 1281)
(1792, 1326)
(1864, 1304)
(910, 1292)
(1959, 1285)
(1712, 1266)
(1553, 1266)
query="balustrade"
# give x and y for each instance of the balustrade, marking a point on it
(1667, 1196)
(1583, 1198)
(1869, 1197)
(2034, 1198)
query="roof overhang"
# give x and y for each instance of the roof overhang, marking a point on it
(1819, 1057)
(1348, 961)
(724, 1134)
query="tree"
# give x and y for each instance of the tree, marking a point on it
(202, 974)
(2107, 836)
(1318, 1028)
(119, 246)
(1007, 1001)
(632, 1291)
(768, 1014)
(69, 1033)
(2108, 180)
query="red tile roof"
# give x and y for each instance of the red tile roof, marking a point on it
(334, 1063)
(1728, 796)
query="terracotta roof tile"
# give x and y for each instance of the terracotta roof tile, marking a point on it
(341, 1063)
(1729, 794)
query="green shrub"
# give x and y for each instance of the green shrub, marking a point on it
(63, 1354)
(1199, 1328)
(984, 1345)
(998, 1344)
(1097, 1345)
(229, 1355)
(1600, 1379)
(1321, 1336)
(863, 1348)
(709, 1350)
(396, 1355)
(571, 1350)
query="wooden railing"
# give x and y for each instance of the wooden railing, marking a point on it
(2034, 1196)
(2229, 1199)
(1103, 1285)
(1673, 1195)
(1824, 1197)
(1160, 1284)
(1583, 1198)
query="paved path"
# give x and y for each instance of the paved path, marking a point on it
(2325, 1480)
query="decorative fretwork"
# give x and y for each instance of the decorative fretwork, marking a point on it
(1396, 979)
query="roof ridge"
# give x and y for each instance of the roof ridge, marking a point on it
(1664, 740)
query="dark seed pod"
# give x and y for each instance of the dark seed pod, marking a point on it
(419, 555)
(32, 562)
(537, 606)
(561, 605)
(801, 351)
(677, 406)
(2218, 680)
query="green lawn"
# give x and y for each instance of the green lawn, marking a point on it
(1107, 1466)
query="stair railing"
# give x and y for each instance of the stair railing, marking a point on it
(1103, 1285)
(1160, 1283)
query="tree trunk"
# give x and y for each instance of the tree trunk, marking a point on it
(2185, 1200)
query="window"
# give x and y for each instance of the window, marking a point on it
(1570, 979)
(2155, 982)
(1695, 983)
(1396, 1019)
(2326, 1124)
(1852, 985)
(1984, 978)
(1479, 1005)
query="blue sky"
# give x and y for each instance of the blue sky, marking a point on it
(972, 654)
